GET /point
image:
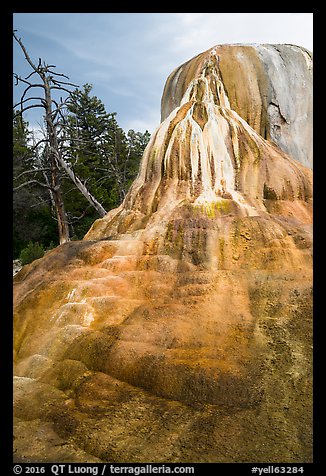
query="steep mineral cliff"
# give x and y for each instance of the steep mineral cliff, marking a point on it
(180, 328)
(261, 82)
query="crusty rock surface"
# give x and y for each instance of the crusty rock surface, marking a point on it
(179, 329)
(261, 82)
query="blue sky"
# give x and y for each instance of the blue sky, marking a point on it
(128, 56)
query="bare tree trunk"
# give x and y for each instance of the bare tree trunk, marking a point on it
(46, 179)
(63, 226)
(54, 158)
(81, 187)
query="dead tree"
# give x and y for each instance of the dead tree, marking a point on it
(50, 81)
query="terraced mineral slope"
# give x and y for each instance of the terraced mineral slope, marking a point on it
(180, 328)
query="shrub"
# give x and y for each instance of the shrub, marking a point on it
(32, 251)
(50, 246)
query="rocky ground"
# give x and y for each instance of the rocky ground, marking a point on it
(16, 266)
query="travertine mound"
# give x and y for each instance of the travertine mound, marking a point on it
(261, 82)
(180, 328)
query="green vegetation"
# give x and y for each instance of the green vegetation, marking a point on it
(100, 153)
(32, 252)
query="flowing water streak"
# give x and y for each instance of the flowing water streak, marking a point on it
(209, 150)
(202, 146)
(211, 146)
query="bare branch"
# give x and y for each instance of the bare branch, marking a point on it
(37, 144)
(64, 121)
(61, 88)
(63, 103)
(32, 86)
(81, 187)
(19, 78)
(56, 81)
(58, 110)
(30, 74)
(32, 171)
(18, 113)
(43, 70)
(57, 74)
(28, 59)
(82, 215)
(32, 182)
(24, 100)
(50, 189)
(28, 88)
(41, 202)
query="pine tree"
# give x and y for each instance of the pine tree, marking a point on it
(32, 216)
(81, 168)
(51, 83)
(99, 150)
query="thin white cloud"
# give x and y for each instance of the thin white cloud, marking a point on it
(198, 32)
(148, 119)
(121, 91)
(189, 19)
(128, 56)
